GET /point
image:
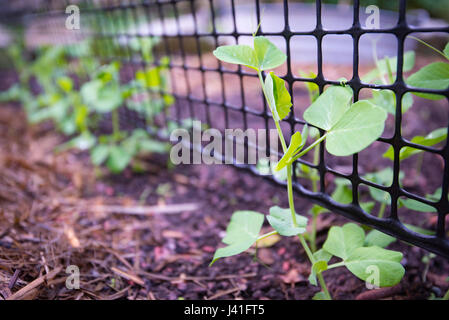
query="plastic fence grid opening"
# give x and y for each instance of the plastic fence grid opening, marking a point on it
(224, 96)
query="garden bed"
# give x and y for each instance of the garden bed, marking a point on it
(55, 212)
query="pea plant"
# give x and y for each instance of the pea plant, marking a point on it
(77, 112)
(349, 128)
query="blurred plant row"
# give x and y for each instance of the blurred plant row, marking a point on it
(84, 98)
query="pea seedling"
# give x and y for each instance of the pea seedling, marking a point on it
(349, 128)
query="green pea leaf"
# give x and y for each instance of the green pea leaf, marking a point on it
(65, 83)
(237, 54)
(382, 68)
(14, 93)
(99, 154)
(322, 255)
(342, 192)
(365, 262)
(317, 210)
(416, 205)
(312, 88)
(329, 107)
(386, 99)
(84, 141)
(367, 206)
(278, 96)
(358, 127)
(241, 233)
(316, 269)
(435, 196)
(264, 56)
(118, 159)
(153, 146)
(383, 177)
(342, 241)
(431, 139)
(267, 54)
(434, 76)
(319, 296)
(109, 98)
(101, 97)
(281, 220)
(150, 78)
(378, 238)
(130, 145)
(419, 229)
(446, 50)
(296, 144)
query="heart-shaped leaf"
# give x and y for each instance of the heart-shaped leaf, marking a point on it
(329, 108)
(268, 55)
(109, 98)
(378, 238)
(281, 220)
(431, 139)
(118, 159)
(241, 233)
(342, 241)
(322, 255)
(446, 50)
(386, 99)
(100, 96)
(99, 154)
(361, 125)
(264, 56)
(278, 96)
(434, 76)
(381, 265)
(237, 54)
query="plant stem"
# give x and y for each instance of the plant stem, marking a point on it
(316, 154)
(314, 215)
(313, 232)
(115, 124)
(312, 260)
(381, 210)
(429, 46)
(336, 265)
(290, 187)
(266, 235)
(313, 145)
(290, 194)
(376, 61)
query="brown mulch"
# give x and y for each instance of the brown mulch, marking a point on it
(152, 235)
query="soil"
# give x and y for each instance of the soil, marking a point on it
(55, 211)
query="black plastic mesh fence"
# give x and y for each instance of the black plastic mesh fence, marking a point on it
(224, 97)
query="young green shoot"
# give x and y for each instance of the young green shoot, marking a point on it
(349, 128)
